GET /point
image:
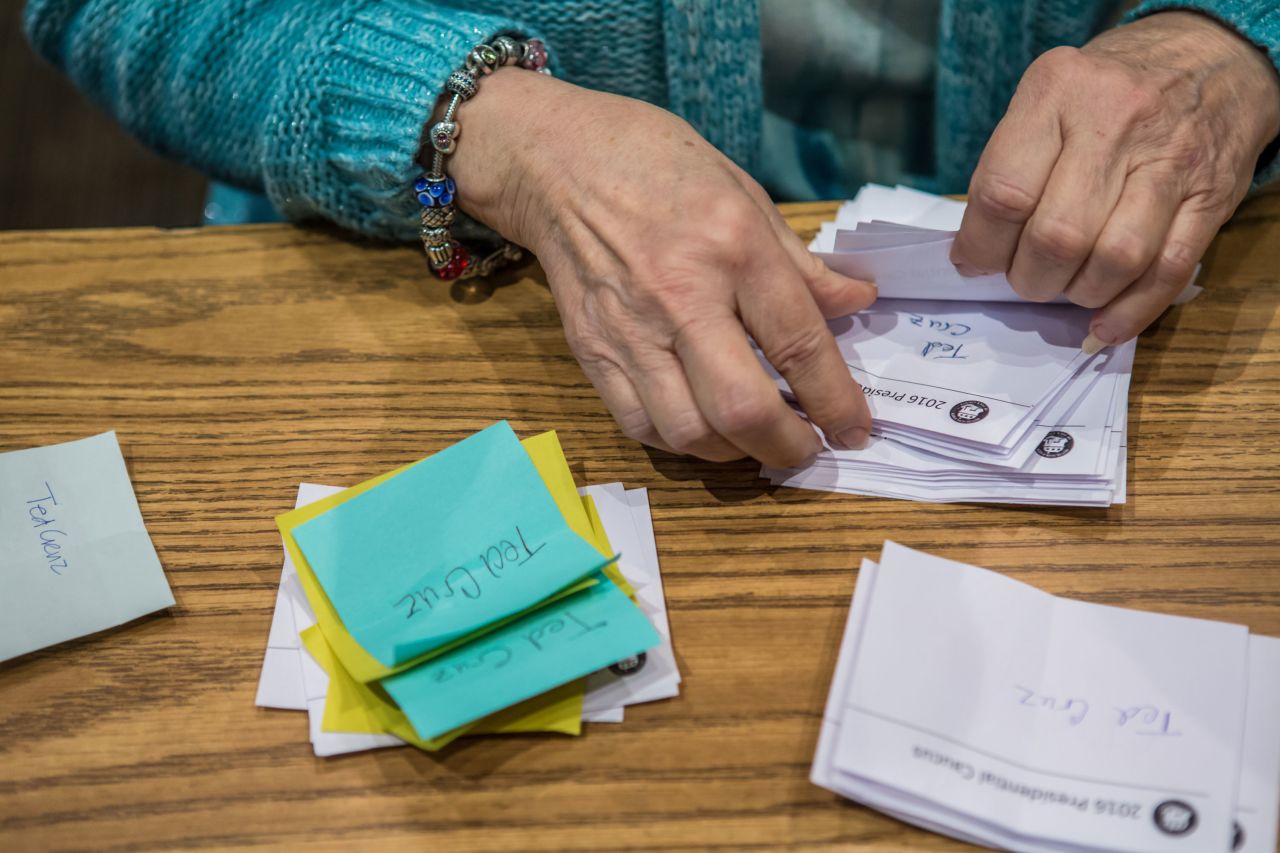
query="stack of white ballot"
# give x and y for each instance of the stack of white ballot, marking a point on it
(292, 679)
(979, 707)
(975, 395)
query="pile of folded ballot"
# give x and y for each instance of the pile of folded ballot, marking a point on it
(985, 709)
(975, 395)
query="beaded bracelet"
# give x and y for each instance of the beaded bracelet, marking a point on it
(435, 190)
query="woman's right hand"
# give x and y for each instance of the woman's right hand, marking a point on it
(662, 256)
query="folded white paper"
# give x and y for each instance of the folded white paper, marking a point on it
(652, 675)
(976, 706)
(901, 239)
(975, 395)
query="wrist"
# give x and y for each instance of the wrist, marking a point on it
(488, 162)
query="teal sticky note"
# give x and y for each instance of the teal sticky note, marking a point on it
(555, 644)
(75, 557)
(460, 540)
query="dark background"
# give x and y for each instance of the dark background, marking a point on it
(65, 164)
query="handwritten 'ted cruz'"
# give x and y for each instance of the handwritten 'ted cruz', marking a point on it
(538, 638)
(495, 559)
(39, 510)
(1150, 720)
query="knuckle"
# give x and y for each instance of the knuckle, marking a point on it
(689, 434)
(799, 351)
(1027, 289)
(728, 222)
(814, 271)
(664, 298)
(1061, 61)
(1177, 263)
(1052, 73)
(1122, 255)
(591, 349)
(1088, 294)
(792, 458)
(1058, 240)
(1001, 198)
(740, 414)
(636, 425)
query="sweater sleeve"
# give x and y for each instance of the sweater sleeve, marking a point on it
(319, 105)
(1257, 21)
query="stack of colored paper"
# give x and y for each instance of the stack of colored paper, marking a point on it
(474, 592)
(975, 395)
(982, 708)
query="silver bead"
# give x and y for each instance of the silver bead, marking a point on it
(438, 256)
(461, 84)
(438, 217)
(482, 59)
(444, 136)
(508, 49)
(432, 237)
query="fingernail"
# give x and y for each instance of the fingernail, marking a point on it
(968, 271)
(1093, 344)
(854, 438)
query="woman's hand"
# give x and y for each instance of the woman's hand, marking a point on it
(1116, 164)
(662, 256)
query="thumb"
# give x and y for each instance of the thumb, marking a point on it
(838, 295)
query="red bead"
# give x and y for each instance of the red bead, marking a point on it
(456, 266)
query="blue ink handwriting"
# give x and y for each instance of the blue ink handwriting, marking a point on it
(39, 511)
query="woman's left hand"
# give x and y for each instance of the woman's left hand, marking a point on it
(1115, 166)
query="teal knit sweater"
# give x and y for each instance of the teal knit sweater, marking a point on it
(321, 103)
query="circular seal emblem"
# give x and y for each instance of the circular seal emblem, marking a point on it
(1174, 817)
(969, 412)
(1055, 444)
(629, 666)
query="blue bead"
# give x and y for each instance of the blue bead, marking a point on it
(426, 200)
(446, 199)
(420, 185)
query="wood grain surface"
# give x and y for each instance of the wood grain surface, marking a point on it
(237, 362)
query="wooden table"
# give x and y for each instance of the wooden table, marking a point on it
(237, 362)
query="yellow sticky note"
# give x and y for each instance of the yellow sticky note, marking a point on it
(547, 457)
(579, 511)
(354, 707)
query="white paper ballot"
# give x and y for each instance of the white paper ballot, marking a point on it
(975, 395)
(1072, 454)
(652, 675)
(901, 239)
(1258, 801)
(979, 707)
(973, 374)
